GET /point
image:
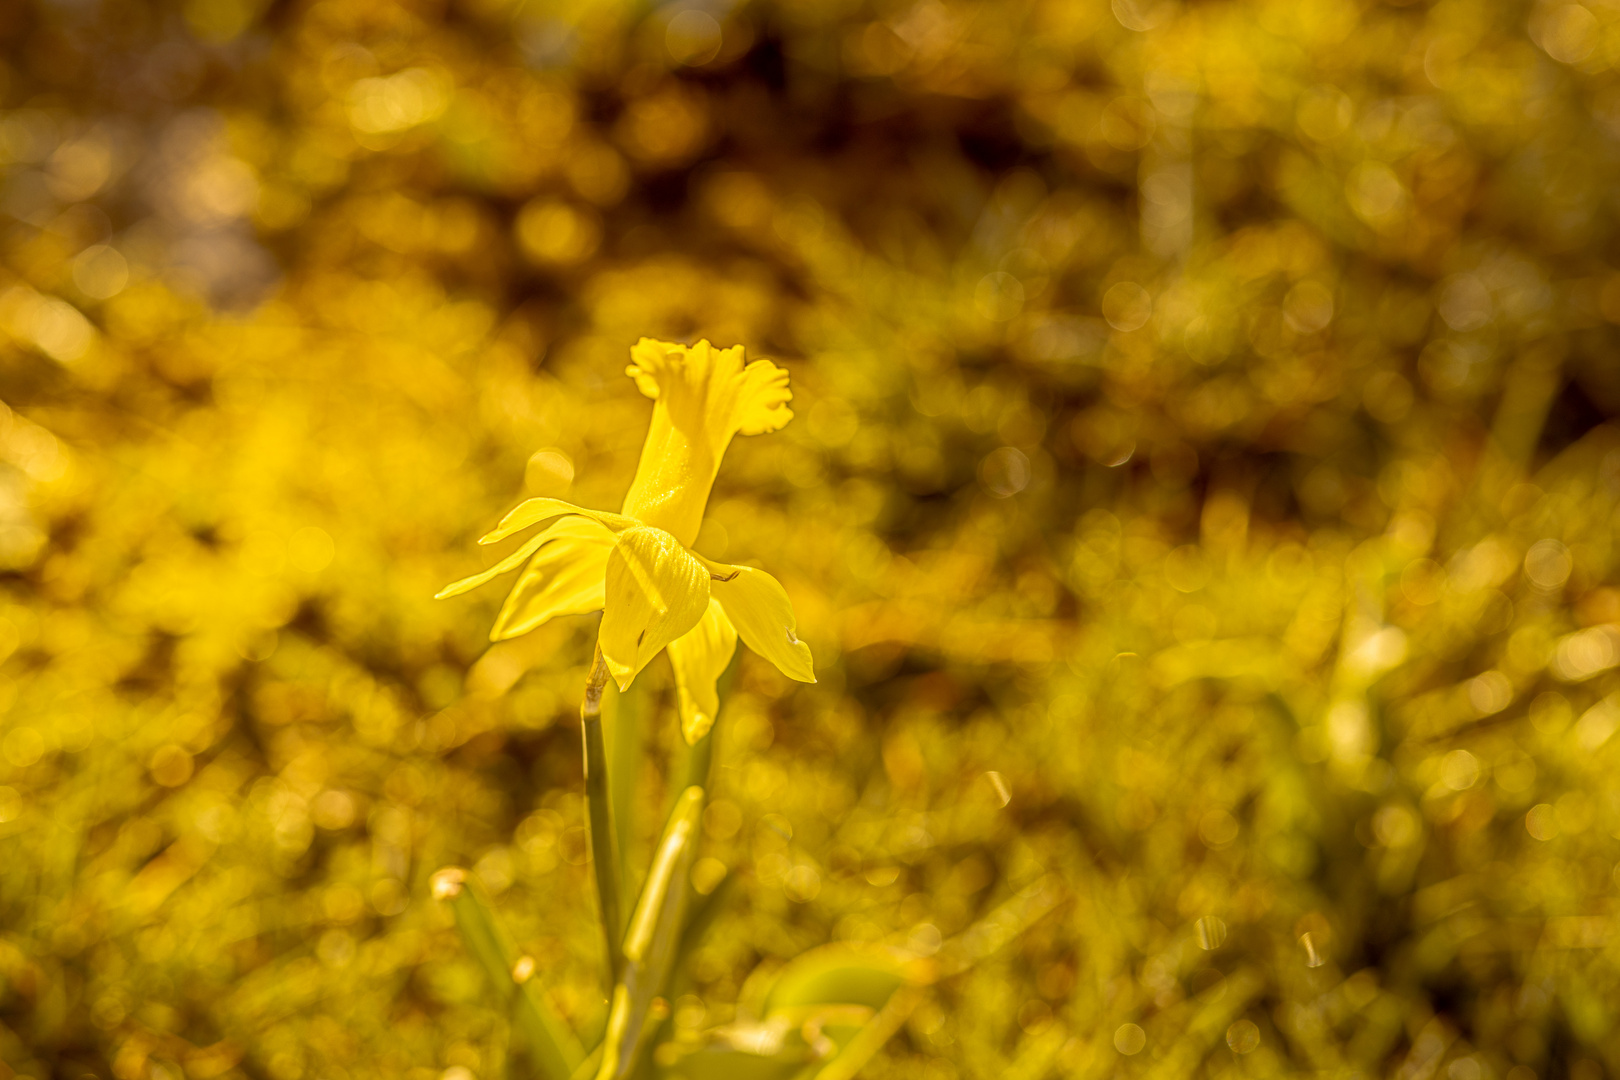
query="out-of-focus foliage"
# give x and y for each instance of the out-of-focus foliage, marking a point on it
(1201, 492)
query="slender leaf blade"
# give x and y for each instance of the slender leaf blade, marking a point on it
(552, 1043)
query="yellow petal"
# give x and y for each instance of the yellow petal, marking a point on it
(511, 562)
(702, 397)
(699, 657)
(759, 608)
(567, 576)
(656, 591)
(533, 510)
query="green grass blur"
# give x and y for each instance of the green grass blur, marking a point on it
(1202, 490)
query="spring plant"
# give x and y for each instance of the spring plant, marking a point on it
(829, 1010)
(1203, 493)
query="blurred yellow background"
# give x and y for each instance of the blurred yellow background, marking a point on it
(1202, 491)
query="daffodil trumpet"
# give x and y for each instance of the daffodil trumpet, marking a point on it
(636, 567)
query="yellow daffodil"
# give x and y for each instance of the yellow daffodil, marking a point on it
(637, 566)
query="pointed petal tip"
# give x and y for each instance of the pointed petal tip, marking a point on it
(623, 674)
(457, 588)
(805, 674)
(805, 669)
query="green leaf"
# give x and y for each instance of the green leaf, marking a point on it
(704, 910)
(772, 1051)
(551, 1042)
(1001, 926)
(845, 974)
(870, 1038)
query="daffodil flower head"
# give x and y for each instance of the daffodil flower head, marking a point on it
(637, 566)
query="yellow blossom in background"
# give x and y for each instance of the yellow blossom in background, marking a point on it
(636, 567)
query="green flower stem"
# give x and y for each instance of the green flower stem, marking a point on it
(623, 714)
(650, 943)
(604, 839)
